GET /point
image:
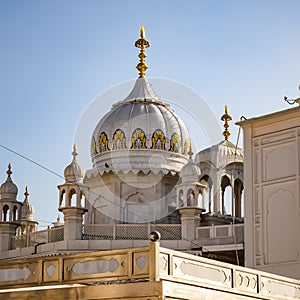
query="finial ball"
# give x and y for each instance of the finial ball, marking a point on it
(9, 171)
(26, 194)
(154, 236)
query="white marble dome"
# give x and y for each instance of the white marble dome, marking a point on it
(27, 208)
(8, 189)
(74, 172)
(190, 172)
(221, 154)
(132, 134)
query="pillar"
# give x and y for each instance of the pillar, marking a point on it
(190, 220)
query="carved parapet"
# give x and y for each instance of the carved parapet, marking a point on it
(133, 272)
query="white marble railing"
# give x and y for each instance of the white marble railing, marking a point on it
(220, 231)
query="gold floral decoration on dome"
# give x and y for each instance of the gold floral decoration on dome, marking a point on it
(94, 146)
(186, 147)
(175, 143)
(158, 140)
(119, 140)
(103, 142)
(138, 139)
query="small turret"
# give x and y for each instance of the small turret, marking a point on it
(10, 211)
(27, 209)
(74, 172)
(71, 198)
(188, 192)
(189, 188)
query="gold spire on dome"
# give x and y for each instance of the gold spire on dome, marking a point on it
(142, 43)
(26, 194)
(74, 153)
(226, 117)
(9, 171)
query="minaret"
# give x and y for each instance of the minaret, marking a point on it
(71, 195)
(10, 212)
(188, 192)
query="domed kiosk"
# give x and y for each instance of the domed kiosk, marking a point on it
(222, 168)
(138, 149)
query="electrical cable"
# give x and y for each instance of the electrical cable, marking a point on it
(233, 217)
(32, 161)
(119, 206)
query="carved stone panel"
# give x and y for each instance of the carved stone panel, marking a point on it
(50, 271)
(164, 263)
(281, 226)
(279, 161)
(141, 263)
(198, 271)
(246, 281)
(273, 138)
(104, 266)
(19, 274)
(274, 287)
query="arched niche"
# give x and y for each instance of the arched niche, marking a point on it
(180, 201)
(207, 195)
(191, 197)
(72, 198)
(62, 198)
(5, 213)
(15, 213)
(82, 199)
(238, 198)
(226, 195)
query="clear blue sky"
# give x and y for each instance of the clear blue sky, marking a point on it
(56, 56)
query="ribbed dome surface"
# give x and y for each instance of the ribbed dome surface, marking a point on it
(74, 172)
(140, 123)
(190, 172)
(221, 154)
(8, 189)
(27, 210)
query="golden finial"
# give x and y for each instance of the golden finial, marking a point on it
(226, 117)
(26, 194)
(74, 153)
(9, 171)
(142, 43)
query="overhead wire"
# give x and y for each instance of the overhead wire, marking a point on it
(95, 194)
(233, 217)
(31, 160)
